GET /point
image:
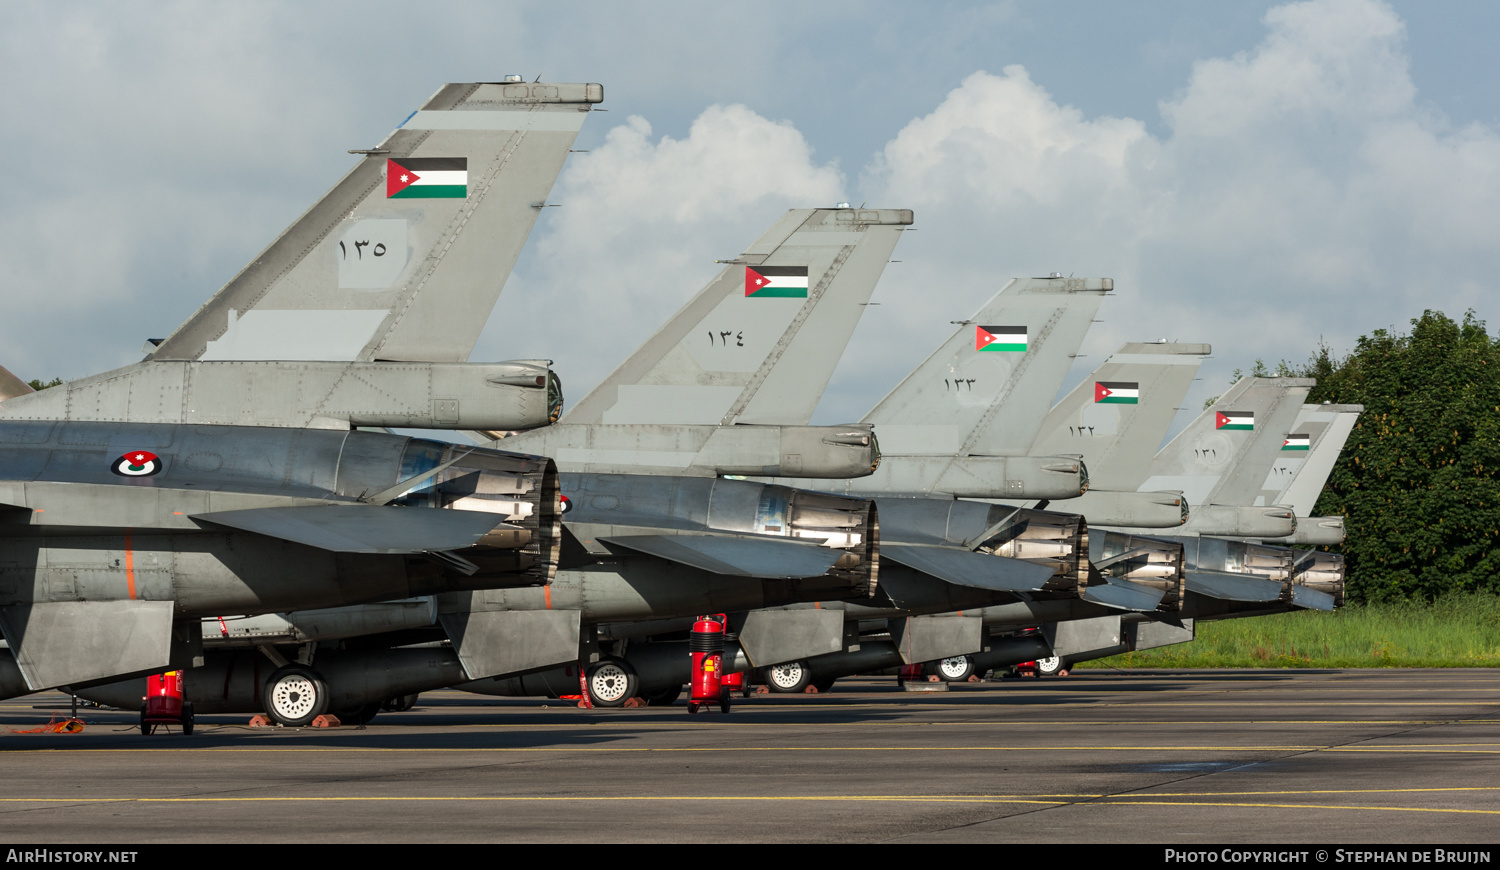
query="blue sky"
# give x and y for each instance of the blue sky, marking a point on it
(1253, 175)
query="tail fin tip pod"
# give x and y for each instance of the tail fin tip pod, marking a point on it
(759, 343)
(968, 397)
(404, 258)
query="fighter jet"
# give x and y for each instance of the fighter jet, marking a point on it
(222, 474)
(1243, 577)
(638, 547)
(938, 553)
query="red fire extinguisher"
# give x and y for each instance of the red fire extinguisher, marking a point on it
(163, 704)
(706, 641)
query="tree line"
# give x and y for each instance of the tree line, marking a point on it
(1417, 478)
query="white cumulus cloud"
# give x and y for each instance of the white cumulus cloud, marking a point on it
(1302, 189)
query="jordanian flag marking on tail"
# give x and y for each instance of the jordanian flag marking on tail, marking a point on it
(1117, 392)
(1000, 338)
(427, 178)
(1297, 442)
(1242, 420)
(776, 282)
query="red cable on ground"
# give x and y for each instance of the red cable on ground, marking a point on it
(66, 726)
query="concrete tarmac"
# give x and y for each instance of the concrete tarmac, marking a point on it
(1178, 758)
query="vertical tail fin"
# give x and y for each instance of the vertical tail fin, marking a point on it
(760, 342)
(986, 390)
(1308, 456)
(12, 386)
(1223, 456)
(1116, 419)
(405, 257)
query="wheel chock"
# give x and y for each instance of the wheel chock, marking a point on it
(327, 720)
(260, 720)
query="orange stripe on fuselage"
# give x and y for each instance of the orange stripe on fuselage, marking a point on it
(547, 594)
(129, 568)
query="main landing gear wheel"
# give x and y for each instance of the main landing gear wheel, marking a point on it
(295, 695)
(399, 704)
(611, 683)
(358, 715)
(790, 677)
(1051, 667)
(955, 669)
(664, 698)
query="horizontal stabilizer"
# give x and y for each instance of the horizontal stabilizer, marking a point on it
(1233, 587)
(1124, 595)
(977, 570)
(1312, 599)
(70, 642)
(735, 556)
(361, 528)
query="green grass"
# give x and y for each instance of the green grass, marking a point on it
(1459, 631)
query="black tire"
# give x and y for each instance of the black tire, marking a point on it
(955, 669)
(399, 704)
(295, 695)
(187, 718)
(664, 698)
(692, 707)
(789, 678)
(610, 682)
(1049, 667)
(358, 715)
(825, 686)
(145, 729)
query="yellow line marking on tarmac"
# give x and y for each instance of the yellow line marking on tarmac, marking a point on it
(1054, 798)
(1161, 794)
(1289, 806)
(1068, 800)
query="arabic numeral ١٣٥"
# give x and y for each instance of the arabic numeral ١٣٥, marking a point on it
(359, 253)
